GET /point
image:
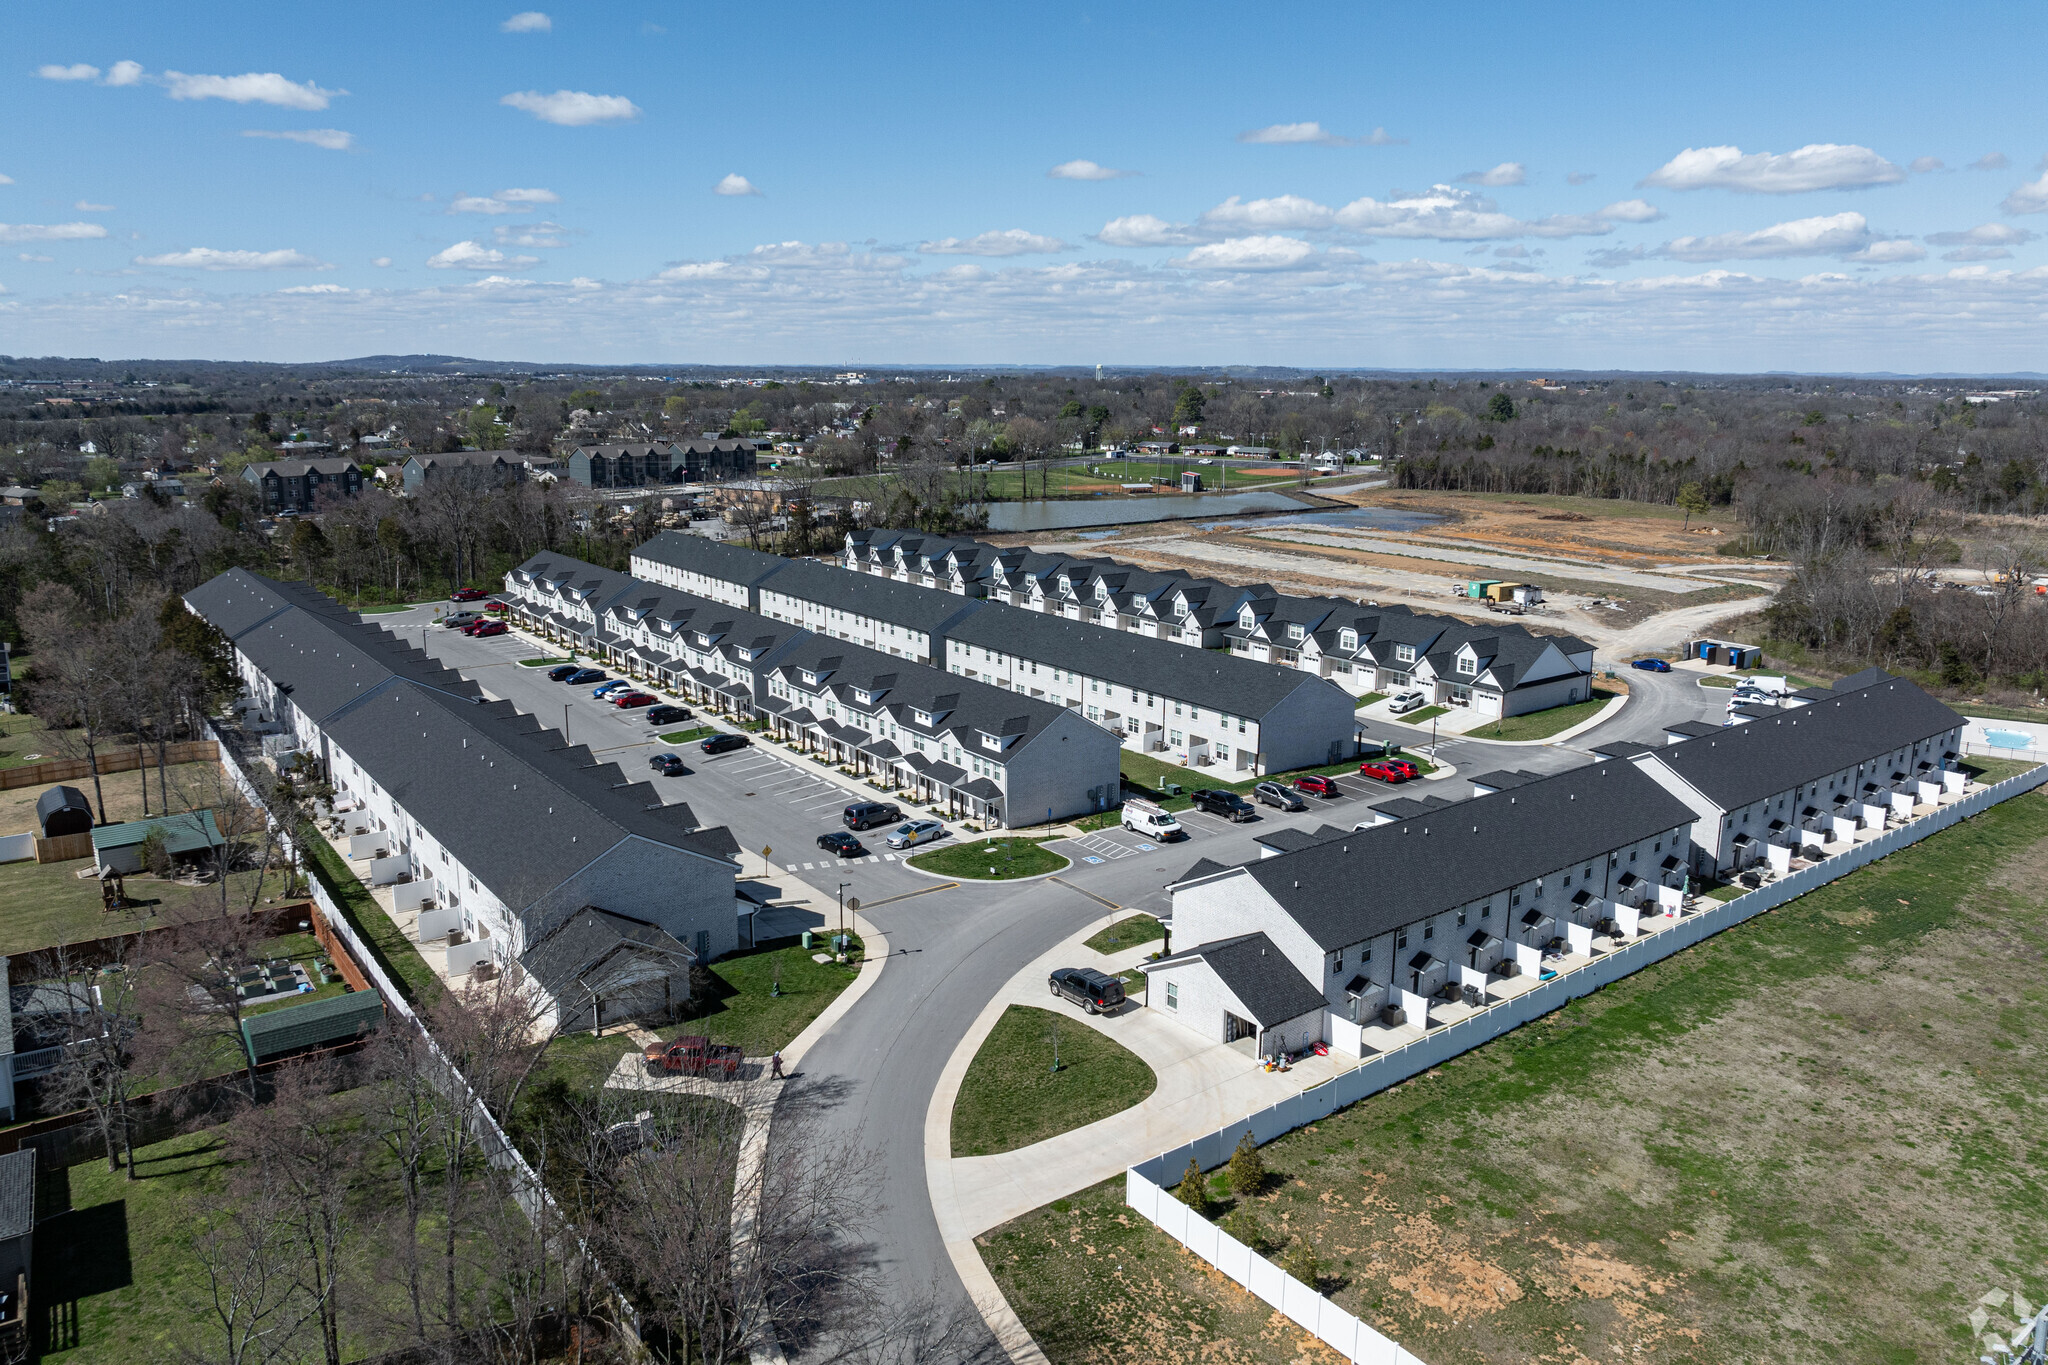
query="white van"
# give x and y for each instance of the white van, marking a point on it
(1154, 822)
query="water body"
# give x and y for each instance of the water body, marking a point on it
(1067, 514)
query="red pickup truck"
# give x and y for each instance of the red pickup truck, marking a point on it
(695, 1057)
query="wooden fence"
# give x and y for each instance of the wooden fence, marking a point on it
(125, 760)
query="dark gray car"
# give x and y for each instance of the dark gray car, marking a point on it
(1095, 992)
(1273, 794)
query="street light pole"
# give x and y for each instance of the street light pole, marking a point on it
(565, 722)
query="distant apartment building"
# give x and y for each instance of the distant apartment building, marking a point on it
(492, 468)
(296, 485)
(653, 463)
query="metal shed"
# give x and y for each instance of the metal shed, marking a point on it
(63, 810)
(316, 1023)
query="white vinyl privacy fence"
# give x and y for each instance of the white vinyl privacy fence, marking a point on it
(1146, 1184)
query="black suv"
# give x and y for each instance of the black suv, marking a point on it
(868, 814)
(668, 765)
(667, 715)
(719, 744)
(1093, 991)
(1229, 805)
(561, 672)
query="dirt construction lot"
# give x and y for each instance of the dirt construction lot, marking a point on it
(1813, 1138)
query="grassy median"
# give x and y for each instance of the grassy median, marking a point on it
(980, 859)
(1012, 1097)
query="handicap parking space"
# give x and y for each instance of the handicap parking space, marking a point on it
(1107, 847)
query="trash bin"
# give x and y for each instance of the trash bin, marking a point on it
(807, 940)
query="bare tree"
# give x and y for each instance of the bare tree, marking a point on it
(78, 671)
(96, 1022)
(250, 1308)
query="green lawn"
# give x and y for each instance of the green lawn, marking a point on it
(1426, 713)
(1994, 769)
(1127, 933)
(541, 663)
(1799, 1140)
(20, 736)
(972, 858)
(1728, 680)
(741, 1006)
(1011, 1097)
(1544, 724)
(120, 1262)
(387, 942)
(47, 903)
(1368, 699)
(686, 736)
(2036, 714)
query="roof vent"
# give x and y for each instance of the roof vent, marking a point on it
(1297, 887)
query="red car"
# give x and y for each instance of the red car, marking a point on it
(1384, 771)
(1403, 766)
(1318, 786)
(694, 1057)
(467, 595)
(631, 699)
(485, 628)
(496, 608)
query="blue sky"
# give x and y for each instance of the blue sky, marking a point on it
(1737, 188)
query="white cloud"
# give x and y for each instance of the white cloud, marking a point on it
(1991, 161)
(1607, 258)
(1007, 242)
(531, 234)
(529, 196)
(585, 282)
(125, 73)
(1314, 134)
(1977, 253)
(1984, 234)
(573, 108)
(528, 21)
(1447, 213)
(31, 256)
(695, 270)
(500, 282)
(735, 185)
(1841, 234)
(6, 180)
(78, 71)
(1580, 177)
(256, 87)
(1251, 253)
(333, 139)
(1817, 166)
(476, 256)
(1927, 165)
(86, 206)
(380, 261)
(1086, 170)
(1143, 229)
(207, 258)
(470, 203)
(1507, 173)
(1631, 211)
(1283, 212)
(49, 232)
(315, 289)
(1891, 251)
(2031, 197)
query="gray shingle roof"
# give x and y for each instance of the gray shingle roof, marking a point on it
(1376, 880)
(929, 611)
(1260, 976)
(734, 564)
(17, 1193)
(573, 958)
(1739, 764)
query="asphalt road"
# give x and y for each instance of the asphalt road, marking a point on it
(872, 1078)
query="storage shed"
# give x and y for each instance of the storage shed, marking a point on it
(63, 810)
(317, 1023)
(118, 848)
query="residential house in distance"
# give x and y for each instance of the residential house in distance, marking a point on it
(651, 463)
(296, 485)
(490, 468)
(1372, 929)
(495, 830)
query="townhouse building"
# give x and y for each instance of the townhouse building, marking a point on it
(652, 463)
(1378, 926)
(528, 855)
(1789, 781)
(485, 468)
(1499, 669)
(1198, 708)
(982, 751)
(296, 485)
(976, 749)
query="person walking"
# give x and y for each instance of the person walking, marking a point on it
(775, 1066)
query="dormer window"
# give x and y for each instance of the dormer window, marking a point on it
(1404, 653)
(1245, 618)
(810, 678)
(1101, 591)
(1296, 631)
(989, 741)
(1180, 609)
(1468, 665)
(1347, 639)
(922, 717)
(864, 698)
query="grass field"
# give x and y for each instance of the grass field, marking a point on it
(1127, 933)
(192, 785)
(971, 859)
(1368, 699)
(541, 663)
(1805, 1139)
(387, 942)
(1544, 724)
(1011, 1097)
(19, 737)
(47, 903)
(1728, 681)
(688, 736)
(1426, 713)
